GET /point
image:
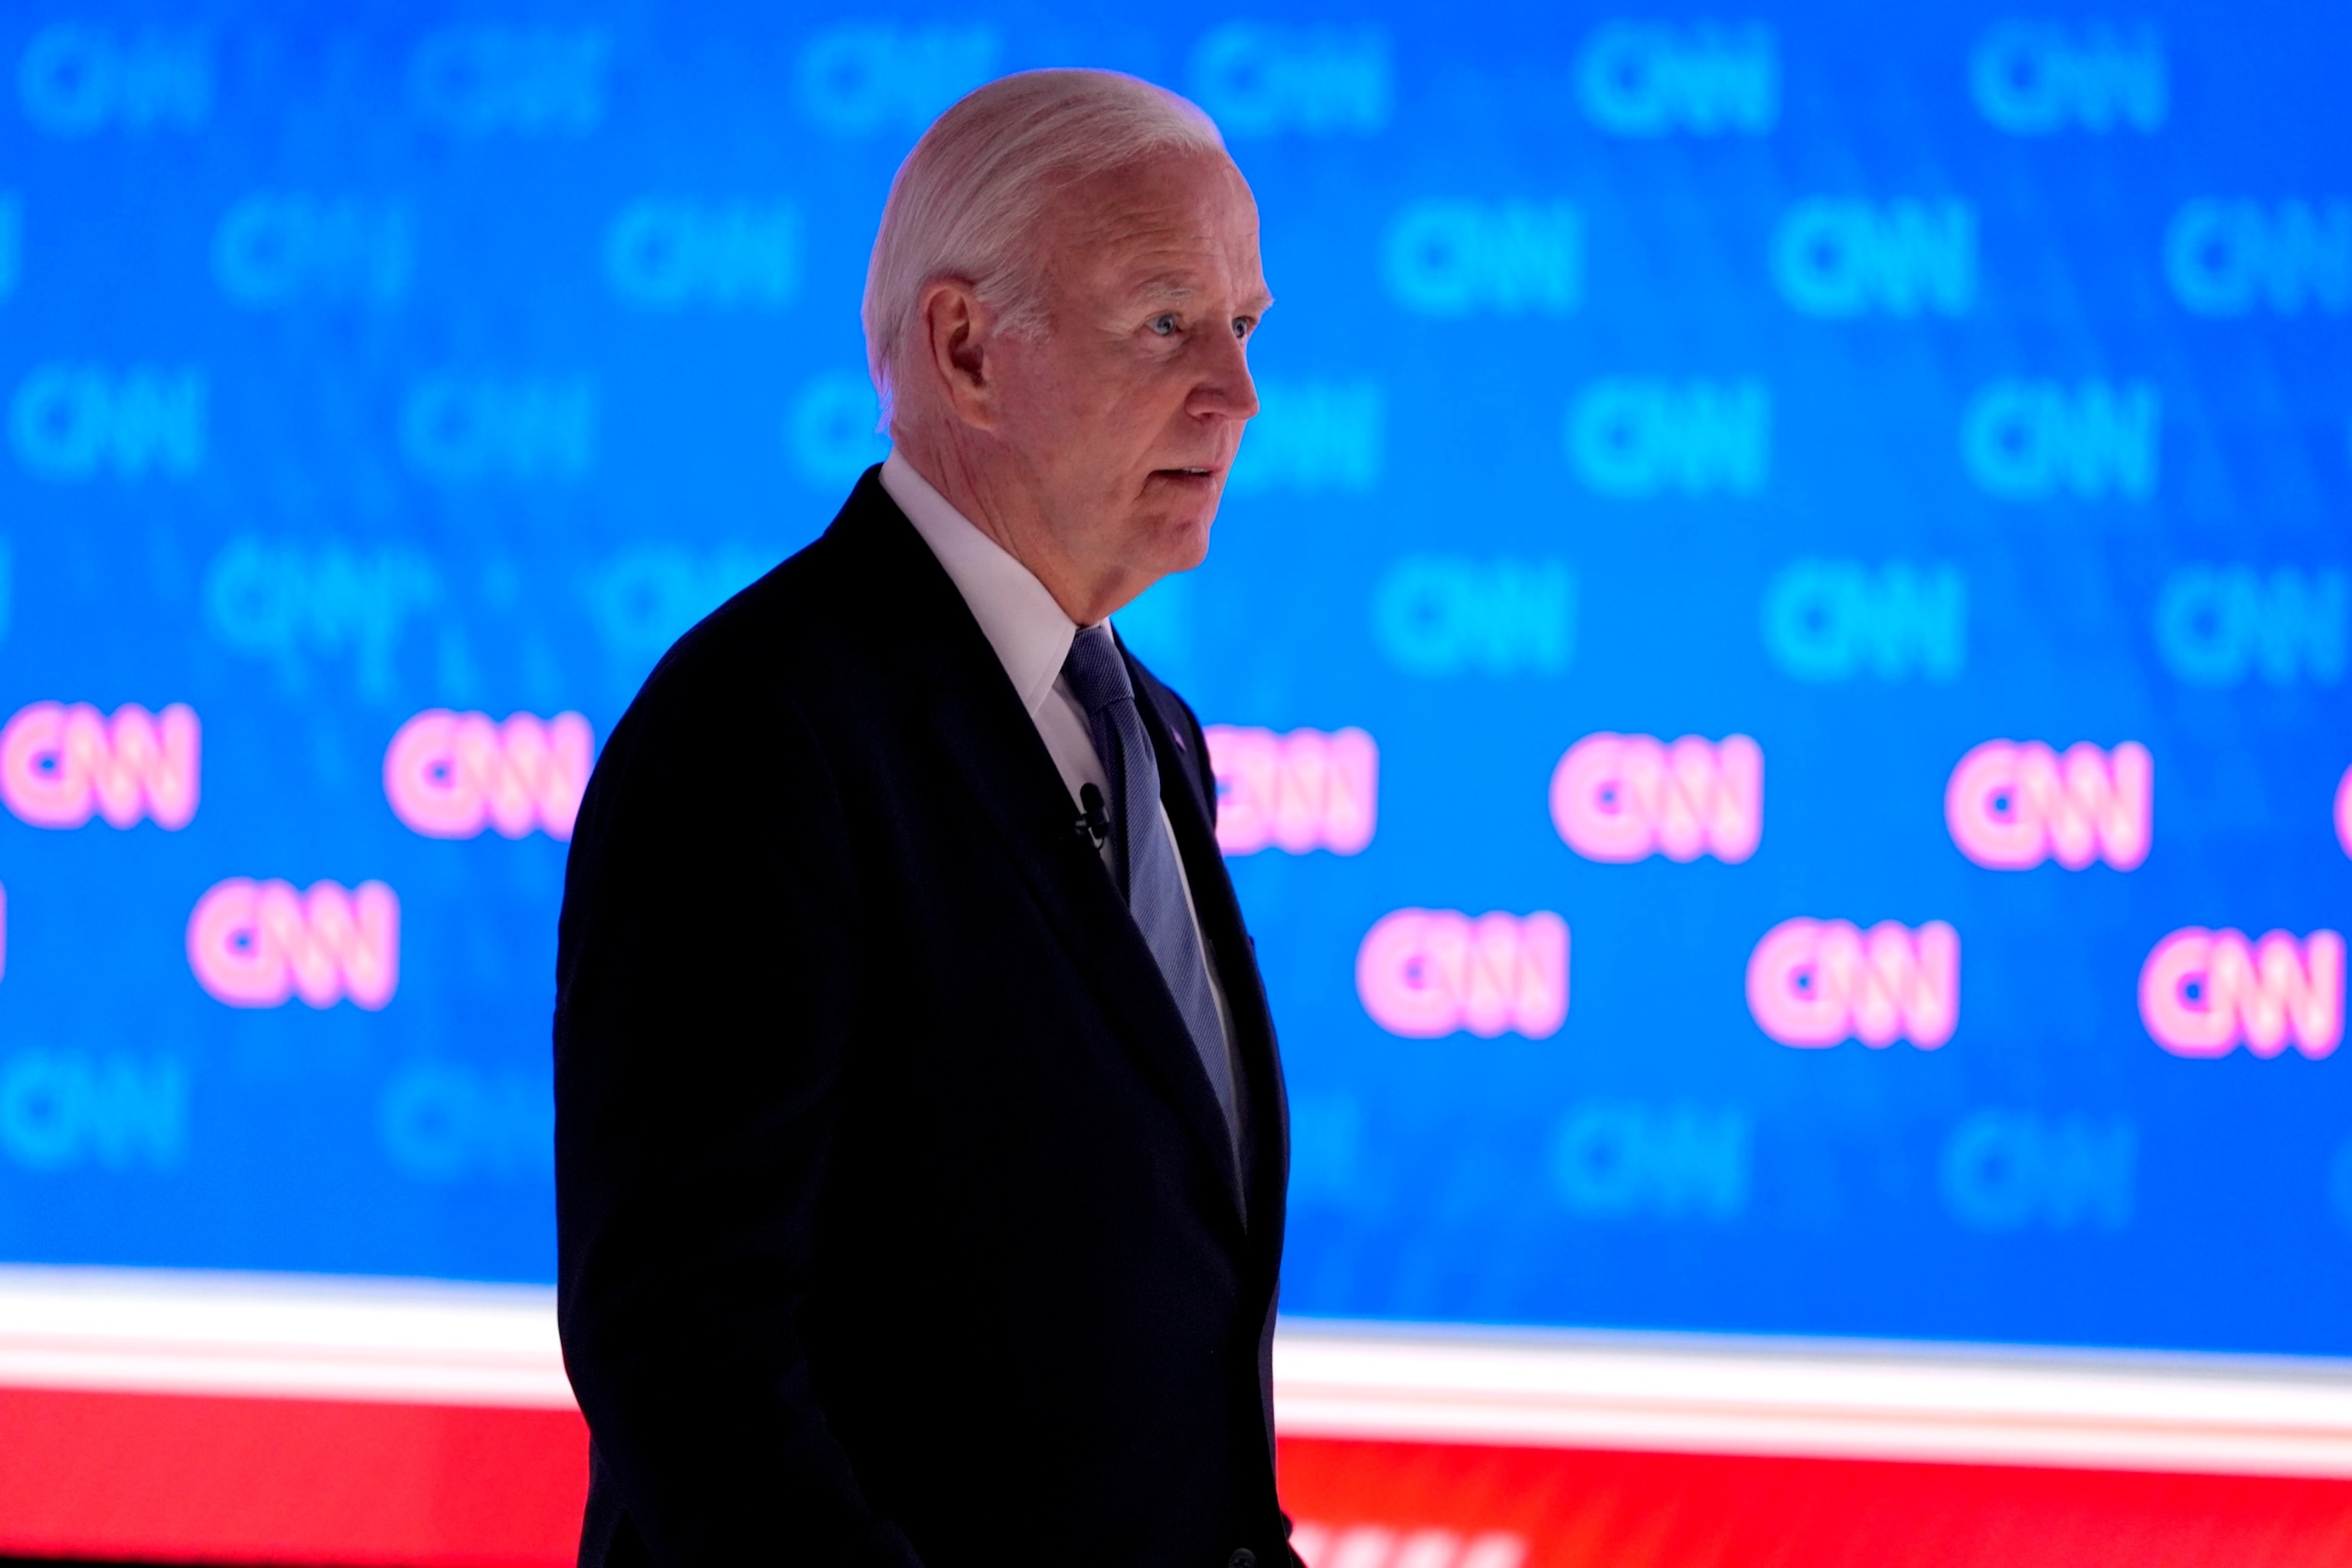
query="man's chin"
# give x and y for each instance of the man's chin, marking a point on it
(1169, 526)
(1181, 539)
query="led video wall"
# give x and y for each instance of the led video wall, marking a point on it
(1777, 654)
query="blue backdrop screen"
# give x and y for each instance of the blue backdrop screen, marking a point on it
(1779, 644)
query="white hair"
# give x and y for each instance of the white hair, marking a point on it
(966, 203)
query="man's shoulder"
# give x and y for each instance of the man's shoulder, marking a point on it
(811, 616)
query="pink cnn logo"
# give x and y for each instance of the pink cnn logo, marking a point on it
(2203, 992)
(1302, 791)
(1816, 983)
(1426, 973)
(2010, 806)
(2344, 812)
(254, 944)
(59, 764)
(449, 775)
(1626, 797)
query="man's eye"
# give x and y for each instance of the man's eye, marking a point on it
(1241, 325)
(1164, 325)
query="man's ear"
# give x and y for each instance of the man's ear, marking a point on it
(957, 328)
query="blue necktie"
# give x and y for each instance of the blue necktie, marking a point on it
(1143, 855)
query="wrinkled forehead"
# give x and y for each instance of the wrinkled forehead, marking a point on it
(1177, 221)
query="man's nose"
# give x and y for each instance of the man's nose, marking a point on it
(1225, 387)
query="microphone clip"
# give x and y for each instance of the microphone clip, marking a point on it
(1094, 818)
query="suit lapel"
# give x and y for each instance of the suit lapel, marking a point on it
(1002, 764)
(1191, 813)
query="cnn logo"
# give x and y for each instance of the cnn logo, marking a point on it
(1817, 983)
(1626, 797)
(1378, 1546)
(1422, 973)
(2343, 811)
(59, 765)
(2205, 993)
(1306, 790)
(2011, 806)
(450, 775)
(254, 944)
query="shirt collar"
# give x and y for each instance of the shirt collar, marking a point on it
(1017, 615)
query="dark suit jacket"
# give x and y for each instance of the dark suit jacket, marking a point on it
(896, 1223)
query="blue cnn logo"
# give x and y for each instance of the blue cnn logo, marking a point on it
(272, 249)
(862, 78)
(1840, 258)
(1634, 439)
(641, 599)
(1643, 78)
(1835, 620)
(2032, 79)
(1259, 80)
(1311, 437)
(529, 81)
(457, 430)
(442, 1122)
(2216, 624)
(1610, 1160)
(63, 1110)
(1460, 258)
(832, 429)
(2031, 440)
(668, 255)
(1445, 615)
(79, 421)
(2007, 1171)
(289, 602)
(75, 80)
(2235, 258)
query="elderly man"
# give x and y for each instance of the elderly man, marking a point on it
(920, 1141)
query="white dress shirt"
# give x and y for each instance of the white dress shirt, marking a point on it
(1032, 638)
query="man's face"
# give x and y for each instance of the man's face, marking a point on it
(1128, 409)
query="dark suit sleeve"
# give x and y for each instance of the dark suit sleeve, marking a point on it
(705, 988)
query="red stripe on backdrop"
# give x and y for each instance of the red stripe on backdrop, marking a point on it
(167, 1477)
(1592, 1510)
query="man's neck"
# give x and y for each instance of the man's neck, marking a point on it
(996, 503)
